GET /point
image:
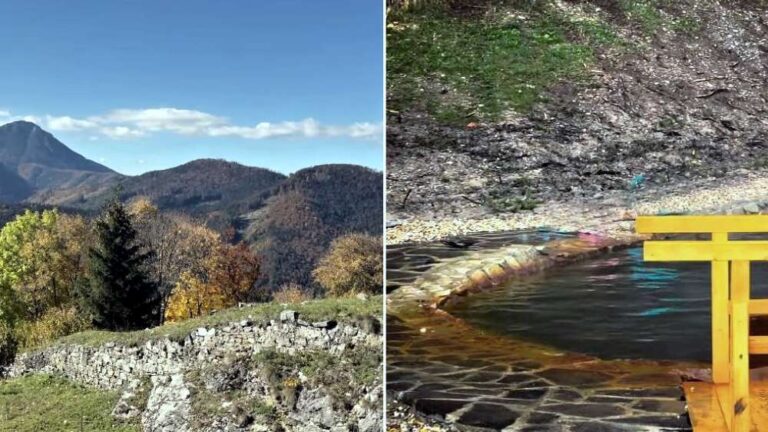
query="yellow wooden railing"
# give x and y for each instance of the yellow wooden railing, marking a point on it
(731, 303)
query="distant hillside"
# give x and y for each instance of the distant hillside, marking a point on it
(290, 220)
(308, 211)
(214, 190)
(42, 165)
(13, 188)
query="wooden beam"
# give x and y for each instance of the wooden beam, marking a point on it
(704, 401)
(726, 407)
(701, 224)
(758, 307)
(705, 251)
(720, 325)
(740, 283)
(758, 344)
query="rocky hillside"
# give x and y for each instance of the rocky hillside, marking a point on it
(35, 165)
(318, 367)
(607, 96)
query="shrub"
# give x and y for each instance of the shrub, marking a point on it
(55, 323)
(291, 293)
(353, 264)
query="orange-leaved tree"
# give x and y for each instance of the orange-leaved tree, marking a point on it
(226, 278)
(179, 244)
(354, 264)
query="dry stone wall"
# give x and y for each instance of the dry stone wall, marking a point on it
(162, 368)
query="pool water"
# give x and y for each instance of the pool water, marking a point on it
(614, 307)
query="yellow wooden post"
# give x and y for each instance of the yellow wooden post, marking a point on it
(731, 303)
(740, 346)
(720, 325)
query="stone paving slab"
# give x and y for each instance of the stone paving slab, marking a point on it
(504, 389)
(454, 373)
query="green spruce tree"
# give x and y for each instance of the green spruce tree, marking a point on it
(118, 293)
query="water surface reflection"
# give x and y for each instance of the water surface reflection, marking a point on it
(615, 306)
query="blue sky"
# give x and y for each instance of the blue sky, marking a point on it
(145, 85)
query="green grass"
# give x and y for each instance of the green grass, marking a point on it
(342, 377)
(462, 69)
(647, 14)
(596, 33)
(44, 403)
(505, 204)
(315, 310)
(363, 364)
(644, 12)
(686, 25)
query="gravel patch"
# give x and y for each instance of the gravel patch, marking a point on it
(744, 192)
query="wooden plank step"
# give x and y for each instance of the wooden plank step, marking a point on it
(705, 408)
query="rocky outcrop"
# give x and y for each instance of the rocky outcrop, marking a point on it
(226, 378)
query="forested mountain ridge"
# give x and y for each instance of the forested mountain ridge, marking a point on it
(308, 211)
(215, 191)
(289, 220)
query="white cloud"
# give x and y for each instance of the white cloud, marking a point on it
(5, 113)
(181, 121)
(360, 130)
(119, 132)
(67, 123)
(307, 128)
(135, 123)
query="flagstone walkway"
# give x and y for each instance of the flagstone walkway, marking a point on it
(448, 370)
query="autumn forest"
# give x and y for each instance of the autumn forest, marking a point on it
(134, 266)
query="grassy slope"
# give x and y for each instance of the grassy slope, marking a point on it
(317, 310)
(479, 63)
(463, 68)
(44, 403)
